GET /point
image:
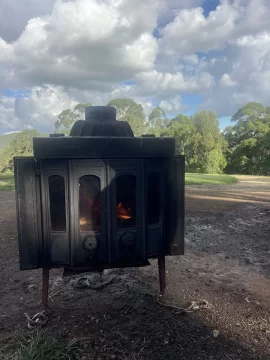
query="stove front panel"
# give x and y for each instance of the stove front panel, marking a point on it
(89, 242)
(55, 211)
(126, 208)
(155, 194)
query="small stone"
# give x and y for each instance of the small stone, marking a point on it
(97, 321)
(93, 318)
(84, 357)
(113, 357)
(215, 333)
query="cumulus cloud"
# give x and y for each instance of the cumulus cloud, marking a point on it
(173, 105)
(174, 82)
(14, 15)
(39, 110)
(85, 44)
(226, 81)
(191, 31)
(155, 51)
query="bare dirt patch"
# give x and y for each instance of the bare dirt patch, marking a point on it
(227, 263)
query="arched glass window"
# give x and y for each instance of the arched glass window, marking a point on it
(153, 198)
(126, 201)
(89, 203)
(57, 202)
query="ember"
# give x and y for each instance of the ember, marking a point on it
(123, 212)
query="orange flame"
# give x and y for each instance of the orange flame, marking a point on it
(122, 212)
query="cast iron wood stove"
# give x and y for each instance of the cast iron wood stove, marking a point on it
(99, 198)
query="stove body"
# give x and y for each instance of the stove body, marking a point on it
(100, 198)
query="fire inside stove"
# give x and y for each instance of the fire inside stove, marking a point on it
(90, 202)
(123, 212)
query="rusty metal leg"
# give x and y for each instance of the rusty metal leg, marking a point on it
(162, 274)
(45, 286)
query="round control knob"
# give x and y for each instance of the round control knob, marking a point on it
(90, 243)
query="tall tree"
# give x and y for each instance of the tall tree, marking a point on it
(21, 145)
(208, 144)
(183, 130)
(251, 111)
(67, 118)
(248, 140)
(157, 121)
(128, 110)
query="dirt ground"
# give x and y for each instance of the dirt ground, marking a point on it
(227, 263)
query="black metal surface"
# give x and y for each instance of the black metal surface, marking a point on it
(56, 244)
(101, 121)
(126, 245)
(102, 147)
(80, 254)
(177, 203)
(28, 214)
(106, 158)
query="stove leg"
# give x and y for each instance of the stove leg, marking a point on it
(162, 274)
(45, 286)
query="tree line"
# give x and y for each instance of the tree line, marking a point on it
(242, 148)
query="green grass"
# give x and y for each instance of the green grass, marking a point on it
(7, 182)
(214, 179)
(41, 346)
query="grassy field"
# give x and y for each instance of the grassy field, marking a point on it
(7, 180)
(214, 179)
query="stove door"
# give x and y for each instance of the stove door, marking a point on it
(89, 245)
(126, 212)
(55, 210)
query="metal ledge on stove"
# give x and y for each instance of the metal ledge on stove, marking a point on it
(106, 147)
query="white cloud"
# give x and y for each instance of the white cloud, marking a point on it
(226, 81)
(191, 31)
(15, 14)
(68, 51)
(174, 82)
(173, 105)
(85, 44)
(8, 121)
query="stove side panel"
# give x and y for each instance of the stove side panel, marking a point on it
(28, 213)
(177, 205)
